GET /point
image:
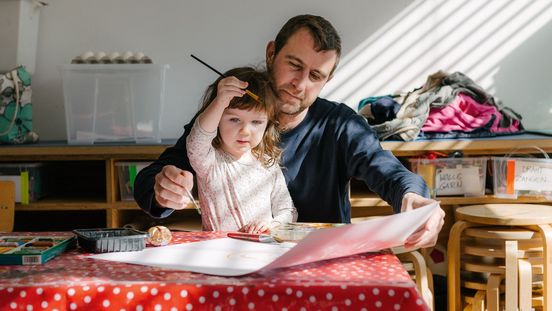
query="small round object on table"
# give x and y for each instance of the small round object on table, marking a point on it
(159, 235)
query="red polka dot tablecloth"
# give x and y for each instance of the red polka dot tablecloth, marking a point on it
(71, 281)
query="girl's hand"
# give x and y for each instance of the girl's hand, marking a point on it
(228, 88)
(255, 227)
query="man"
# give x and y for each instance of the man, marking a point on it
(325, 144)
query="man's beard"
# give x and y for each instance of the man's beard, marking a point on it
(275, 90)
(296, 108)
(294, 112)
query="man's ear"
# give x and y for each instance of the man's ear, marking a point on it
(270, 51)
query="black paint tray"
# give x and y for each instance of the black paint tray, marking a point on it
(111, 240)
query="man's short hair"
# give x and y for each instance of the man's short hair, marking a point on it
(324, 34)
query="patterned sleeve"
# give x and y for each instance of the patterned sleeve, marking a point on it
(283, 210)
(200, 151)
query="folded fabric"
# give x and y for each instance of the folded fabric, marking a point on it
(466, 114)
(472, 110)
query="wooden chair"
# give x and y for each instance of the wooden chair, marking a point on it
(519, 253)
(7, 205)
(526, 238)
(415, 263)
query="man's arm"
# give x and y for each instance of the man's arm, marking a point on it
(145, 181)
(385, 175)
(382, 172)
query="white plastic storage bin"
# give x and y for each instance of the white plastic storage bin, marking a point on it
(453, 176)
(126, 173)
(522, 176)
(113, 102)
(28, 180)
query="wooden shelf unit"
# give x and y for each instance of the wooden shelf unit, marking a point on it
(105, 192)
(95, 161)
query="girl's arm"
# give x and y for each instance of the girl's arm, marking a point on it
(283, 210)
(227, 89)
(204, 130)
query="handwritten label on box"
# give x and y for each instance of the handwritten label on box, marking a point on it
(533, 176)
(459, 180)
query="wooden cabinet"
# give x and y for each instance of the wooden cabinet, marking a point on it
(84, 181)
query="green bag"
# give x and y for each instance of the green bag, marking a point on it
(16, 110)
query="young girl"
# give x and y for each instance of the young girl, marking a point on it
(240, 184)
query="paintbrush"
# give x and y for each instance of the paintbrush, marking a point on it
(248, 92)
(193, 200)
(191, 197)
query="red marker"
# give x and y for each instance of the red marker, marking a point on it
(265, 238)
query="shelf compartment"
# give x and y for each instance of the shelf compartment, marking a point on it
(59, 220)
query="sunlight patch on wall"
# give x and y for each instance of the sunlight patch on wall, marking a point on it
(470, 36)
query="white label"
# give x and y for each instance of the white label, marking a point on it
(31, 260)
(533, 176)
(472, 182)
(460, 180)
(449, 181)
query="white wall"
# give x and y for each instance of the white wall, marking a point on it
(235, 32)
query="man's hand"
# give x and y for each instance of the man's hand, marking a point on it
(169, 187)
(427, 234)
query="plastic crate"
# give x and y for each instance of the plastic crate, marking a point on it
(28, 180)
(522, 176)
(126, 173)
(114, 102)
(453, 176)
(111, 240)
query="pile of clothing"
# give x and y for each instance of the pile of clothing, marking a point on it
(446, 106)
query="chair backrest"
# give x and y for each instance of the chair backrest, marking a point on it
(7, 205)
(413, 260)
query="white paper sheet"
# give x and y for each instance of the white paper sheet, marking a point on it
(367, 236)
(232, 257)
(226, 256)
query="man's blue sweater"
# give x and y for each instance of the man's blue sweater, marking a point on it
(329, 147)
(321, 155)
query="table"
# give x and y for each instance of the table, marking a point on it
(71, 281)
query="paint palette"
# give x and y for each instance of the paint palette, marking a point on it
(33, 250)
(296, 231)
